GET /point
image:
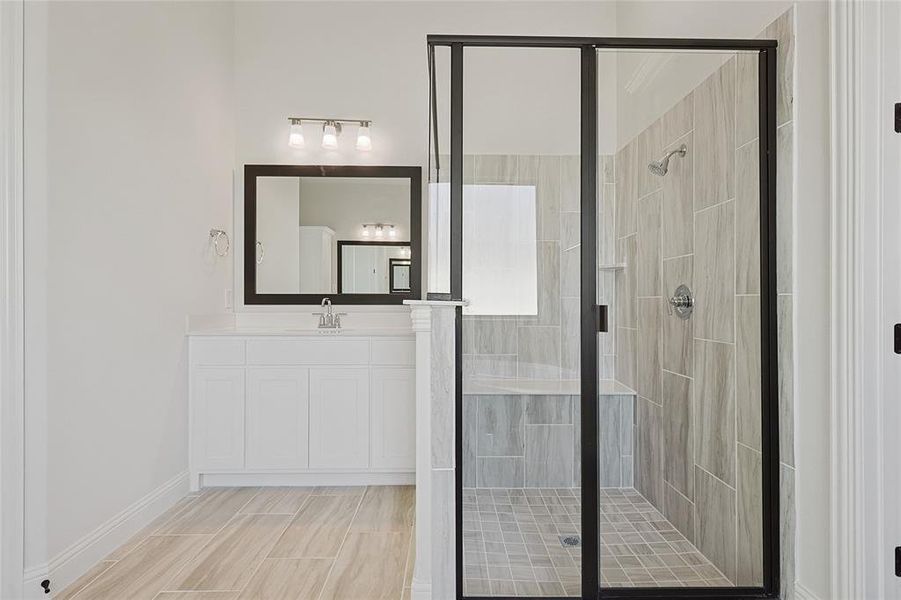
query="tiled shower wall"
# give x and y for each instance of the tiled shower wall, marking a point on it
(698, 441)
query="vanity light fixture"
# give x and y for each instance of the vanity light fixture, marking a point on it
(331, 131)
(295, 137)
(378, 229)
(364, 139)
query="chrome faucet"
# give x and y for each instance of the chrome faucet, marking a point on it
(329, 319)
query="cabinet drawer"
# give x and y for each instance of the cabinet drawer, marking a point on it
(308, 352)
(213, 352)
(393, 352)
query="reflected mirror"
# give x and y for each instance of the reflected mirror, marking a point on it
(343, 232)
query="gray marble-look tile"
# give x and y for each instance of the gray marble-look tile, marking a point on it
(548, 410)
(489, 365)
(549, 455)
(443, 385)
(577, 440)
(627, 426)
(647, 267)
(678, 449)
(715, 522)
(570, 183)
(747, 219)
(626, 345)
(678, 121)
(647, 366)
(714, 273)
(527, 169)
(677, 206)
(470, 440)
(500, 425)
(784, 208)
(680, 511)
(747, 370)
(782, 30)
(606, 226)
(714, 408)
(444, 536)
(788, 523)
(570, 229)
(501, 471)
(487, 335)
(570, 272)
(494, 168)
(650, 147)
(609, 452)
(786, 381)
(678, 334)
(628, 471)
(750, 515)
(606, 164)
(626, 252)
(538, 352)
(714, 137)
(570, 338)
(649, 448)
(548, 198)
(626, 188)
(747, 122)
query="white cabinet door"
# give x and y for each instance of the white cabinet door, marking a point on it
(393, 418)
(218, 420)
(278, 418)
(339, 418)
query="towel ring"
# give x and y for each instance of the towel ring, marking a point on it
(215, 237)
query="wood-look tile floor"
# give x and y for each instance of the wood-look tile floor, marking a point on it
(325, 543)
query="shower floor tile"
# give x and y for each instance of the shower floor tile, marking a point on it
(512, 545)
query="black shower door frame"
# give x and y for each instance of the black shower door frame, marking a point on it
(594, 319)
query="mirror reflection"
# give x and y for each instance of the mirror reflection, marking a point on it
(326, 235)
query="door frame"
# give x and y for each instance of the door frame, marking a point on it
(590, 316)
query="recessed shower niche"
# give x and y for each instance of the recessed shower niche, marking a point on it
(616, 356)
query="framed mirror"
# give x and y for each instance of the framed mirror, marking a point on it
(351, 233)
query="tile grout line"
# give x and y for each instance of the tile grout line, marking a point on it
(343, 540)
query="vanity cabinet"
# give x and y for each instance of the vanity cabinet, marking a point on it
(301, 410)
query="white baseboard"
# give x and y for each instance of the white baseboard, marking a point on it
(420, 591)
(305, 479)
(75, 560)
(802, 593)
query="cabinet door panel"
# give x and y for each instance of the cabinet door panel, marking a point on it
(218, 427)
(278, 408)
(394, 419)
(339, 418)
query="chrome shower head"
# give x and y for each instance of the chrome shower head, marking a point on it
(660, 167)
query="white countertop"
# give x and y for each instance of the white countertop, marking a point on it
(298, 332)
(485, 386)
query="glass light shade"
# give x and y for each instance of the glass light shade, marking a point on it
(379, 231)
(365, 231)
(392, 232)
(364, 139)
(295, 138)
(329, 137)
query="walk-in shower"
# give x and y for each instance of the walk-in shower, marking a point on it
(616, 408)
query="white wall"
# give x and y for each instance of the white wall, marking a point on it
(368, 60)
(130, 157)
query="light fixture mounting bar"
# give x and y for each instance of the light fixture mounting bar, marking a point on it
(321, 120)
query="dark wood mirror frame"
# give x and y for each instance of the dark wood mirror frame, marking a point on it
(252, 172)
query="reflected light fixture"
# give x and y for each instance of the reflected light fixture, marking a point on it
(365, 231)
(364, 138)
(330, 131)
(379, 231)
(295, 137)
(392, 232)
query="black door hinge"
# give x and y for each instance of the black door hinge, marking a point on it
(897, 561)
(897, 338)
(898, 117)
(601, 317)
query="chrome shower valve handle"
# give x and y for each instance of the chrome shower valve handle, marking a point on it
(681, 303)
